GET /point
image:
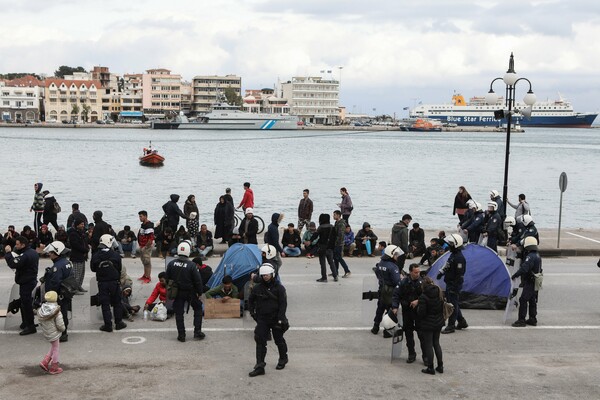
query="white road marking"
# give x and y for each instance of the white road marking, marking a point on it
(583, 237)
(133, 340)
(326, 329)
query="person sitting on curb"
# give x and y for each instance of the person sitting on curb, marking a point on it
(291, 241)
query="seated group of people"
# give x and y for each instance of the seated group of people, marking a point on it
(37, 240)
(167, 240)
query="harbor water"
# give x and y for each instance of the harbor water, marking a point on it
(387, 173)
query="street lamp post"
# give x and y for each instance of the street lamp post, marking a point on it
(510, 79)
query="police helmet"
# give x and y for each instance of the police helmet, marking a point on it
(527, 220)
(530, 243)
(393, 251)
(454, 240)
(270, 251)
(471, 204)
(493, 204)
(494, 194)
(509, 221)
(266, 269)
(56, 247)
(184, 249)
(106, 241)
(388, 322)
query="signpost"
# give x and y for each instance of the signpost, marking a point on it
(562, 184)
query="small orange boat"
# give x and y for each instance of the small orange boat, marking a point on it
(151, 158)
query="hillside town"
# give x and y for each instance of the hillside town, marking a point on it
(103, 97)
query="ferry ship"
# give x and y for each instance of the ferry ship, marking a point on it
(227, 117)
(558, 113)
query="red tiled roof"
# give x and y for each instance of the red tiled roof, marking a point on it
(26, 81)
(68, 83)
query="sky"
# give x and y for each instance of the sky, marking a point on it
(393, 53)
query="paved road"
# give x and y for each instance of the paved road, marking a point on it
(332, 353)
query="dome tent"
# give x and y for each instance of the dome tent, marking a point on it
(487, 283)
(239, 261)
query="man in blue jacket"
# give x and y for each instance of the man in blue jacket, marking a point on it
(24, 260)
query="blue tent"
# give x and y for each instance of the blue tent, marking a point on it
(487, 282)
(239, 261)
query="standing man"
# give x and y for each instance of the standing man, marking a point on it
(38, 206)
(183, 273)
(339, 230)
(453, 272)
(407, 295)
(493, 224)
(267, 305)
(74, 215)
(60, 270)
(400, 238)
(521, 208)
(24, 260)
(531, 265)
(106, 263)
(173, 212)
(78, 240)
(346, 205)
(248, 199)
(388, 275)
(248, 228)
(227, 196)
(272, 237)
(100, 228)
(146, 242)
(305, 210)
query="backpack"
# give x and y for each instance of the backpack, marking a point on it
(57, 208)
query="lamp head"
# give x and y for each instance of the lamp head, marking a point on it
(529, 98)
(491, 97)
(526, 112)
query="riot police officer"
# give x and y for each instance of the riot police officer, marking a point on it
(531, 265)
(24, 260)
(453, 272)
(388, 275)
(106, 263)
(267, 305)
(406, 294)
(183, 274)
(60, 270)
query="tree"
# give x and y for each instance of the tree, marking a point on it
(14, 75)
(85, 110)
(232, 97)
(75, 111)
(66, 70)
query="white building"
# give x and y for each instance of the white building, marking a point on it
(20, 99)
(313, 99)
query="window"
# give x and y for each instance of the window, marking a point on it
(30, 103)
(6, 103)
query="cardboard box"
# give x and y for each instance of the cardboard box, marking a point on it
(216, 308)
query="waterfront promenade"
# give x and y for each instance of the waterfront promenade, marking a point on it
(332, 353)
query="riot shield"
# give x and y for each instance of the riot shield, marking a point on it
(370, 295)
(13, 320)
(397, 342)
(95, 309)
(512, 305)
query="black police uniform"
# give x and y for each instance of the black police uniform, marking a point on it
(25, 263)
(60, 270)
(106, 263)
(453, 273)
(532, 264)
(267, 305)
(184, 273)
(492, 225)
(406, 292)
(388, 275)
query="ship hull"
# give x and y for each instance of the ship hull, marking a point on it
(575, 121)
(229, 125)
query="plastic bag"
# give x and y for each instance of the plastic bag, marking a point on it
(159, 312)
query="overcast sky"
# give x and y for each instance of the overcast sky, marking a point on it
(394, 53)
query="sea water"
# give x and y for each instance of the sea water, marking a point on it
(387, 173)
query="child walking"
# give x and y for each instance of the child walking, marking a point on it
(52, 323)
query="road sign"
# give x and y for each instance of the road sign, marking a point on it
(562, 182)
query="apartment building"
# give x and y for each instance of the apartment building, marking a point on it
(205, 90)
(313, 99)
(161, 93)
(131, 96)
(264, 101)
(20, 99)
(72, 100)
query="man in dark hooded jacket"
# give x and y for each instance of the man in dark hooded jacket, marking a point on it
(100, 228)
(173, 212)
(272, 236)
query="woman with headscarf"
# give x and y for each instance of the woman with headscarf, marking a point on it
(190, 209)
